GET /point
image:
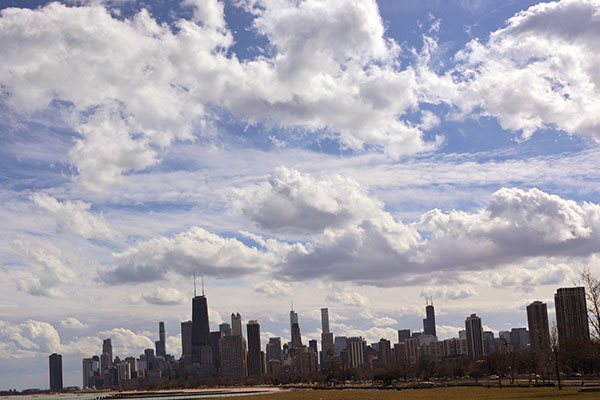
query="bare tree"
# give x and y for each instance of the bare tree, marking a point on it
(592, 294)
(555, 349)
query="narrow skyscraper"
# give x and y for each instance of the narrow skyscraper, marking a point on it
(56, 374)
(571, 314)
(160, 345)
(254, 354)
(186, 339)
(537, 319)
(474, 333)
(324, 320)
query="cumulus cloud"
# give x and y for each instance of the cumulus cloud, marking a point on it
(384, 321)
(272, 288)
(294, 202)
(126, 342)
(539, 71)
(135, 86)
(449, 292)
(75, 217)
(353, 299)
(196, 250)
(28, 338)
(160, 296)
(72, 323)
(47, 271)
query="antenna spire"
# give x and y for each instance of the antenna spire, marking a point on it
(292, 304)
(202, 284)
(194, 283)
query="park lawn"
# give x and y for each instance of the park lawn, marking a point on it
(461, 393)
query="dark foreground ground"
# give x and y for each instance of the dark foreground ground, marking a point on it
(460, 393)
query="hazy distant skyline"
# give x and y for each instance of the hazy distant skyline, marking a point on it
(349, 154)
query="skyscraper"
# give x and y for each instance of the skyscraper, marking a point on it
(385, 352)
(225, 328)
(403, 334)
(537, 320)
(56, 375)
(107, 350)
(571, 314)
(429, 321)
(519, 337)
(87, 368)
(474, 337)
(186, 339)
(274, 349)
(324, 320)
(296, 337)
(233, 357)
(161, 343)
(236, 325)
(200, 325)
(254, 356)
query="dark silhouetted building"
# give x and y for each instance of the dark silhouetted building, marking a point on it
(225, 328)
(56, 374)
(325, 320)
(429, 321)
(160, 345)
(107, 354)
(186, 339)
(296, 337)
(519, 338)
(200, 325)
(385, 352)
(87, 367)
(403, 334)
(571, 314)
(254, 353)
(274, 350)
(537, 320)
(474, 333)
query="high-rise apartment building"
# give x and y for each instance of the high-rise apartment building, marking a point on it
(356, 351)
(385, 352)
(254, 356)
(519, 338)
(474, 334)
(56, 374)
(537, 320)
(571, 314)
(233, 357)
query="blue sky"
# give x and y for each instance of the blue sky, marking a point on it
(355, 155)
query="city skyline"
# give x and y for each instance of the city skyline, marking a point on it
(393, 152)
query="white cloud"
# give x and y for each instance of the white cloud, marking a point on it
(294, 202)
(449, 292)
(28, 338)
(127, 342)
(353, 299)
(538, 71)
(48, 272)
(160, 296)
(193, 251)
(75, 217)
(72, 323)
(136, 86)
(384, 321)
(272, 288)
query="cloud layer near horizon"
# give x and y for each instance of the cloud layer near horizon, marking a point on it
(350, 236)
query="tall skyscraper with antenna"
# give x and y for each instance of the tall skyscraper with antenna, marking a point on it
(429, 321)
(200, 326)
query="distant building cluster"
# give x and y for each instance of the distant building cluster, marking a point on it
(226, 353)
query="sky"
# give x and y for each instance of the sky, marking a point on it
(349, 154)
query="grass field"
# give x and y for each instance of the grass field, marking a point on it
(461, 393)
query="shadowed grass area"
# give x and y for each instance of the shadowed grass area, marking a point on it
(461, 393)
